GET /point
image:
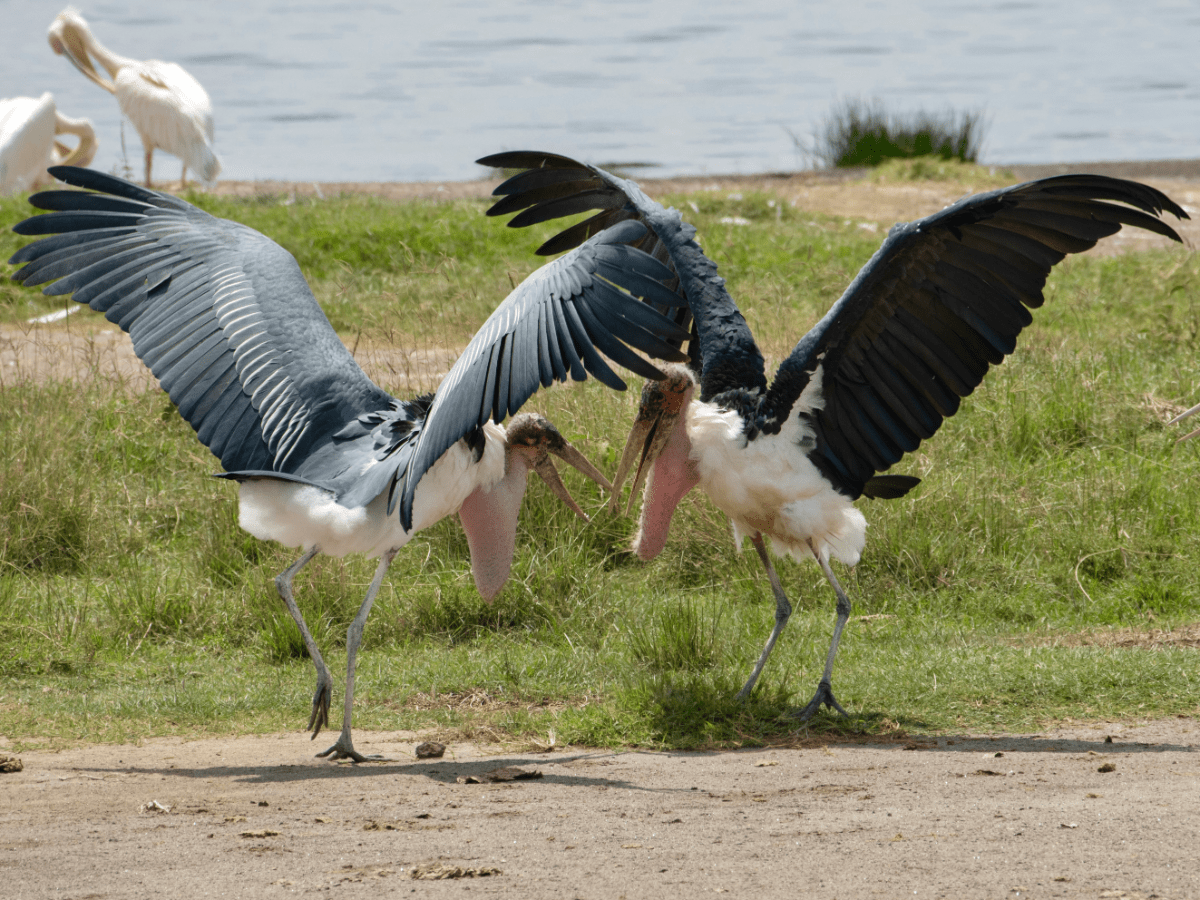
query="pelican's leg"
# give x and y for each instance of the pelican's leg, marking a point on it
(344, 747)
(149, 157)
(320, 703)
(783, 611)
(824, 694)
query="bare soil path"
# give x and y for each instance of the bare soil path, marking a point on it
(1097, 811)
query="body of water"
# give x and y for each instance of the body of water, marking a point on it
(362, 91)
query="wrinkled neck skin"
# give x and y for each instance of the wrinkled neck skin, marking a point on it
(671, 476)
(489, 518)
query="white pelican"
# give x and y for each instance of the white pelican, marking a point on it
(167, 106)
(28, 127)
(940, 302)
(223, 317)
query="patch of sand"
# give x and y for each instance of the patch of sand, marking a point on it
(1099, 811)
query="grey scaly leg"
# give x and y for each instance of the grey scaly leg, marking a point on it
(320, 704)
(824, 694)
(783, 611)
(344, 747)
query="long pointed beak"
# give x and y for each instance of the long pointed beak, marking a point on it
(549, 474)
(67, 42)
(535, 437)
(662, 403)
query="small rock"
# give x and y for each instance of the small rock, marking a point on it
(10, 764)
(430, 750)
(1108, 767)
(259, 833)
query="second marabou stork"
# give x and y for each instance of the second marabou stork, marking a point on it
(940, 302)
(326, 460)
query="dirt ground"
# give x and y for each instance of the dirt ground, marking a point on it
(1096, 811)
(1090, 811)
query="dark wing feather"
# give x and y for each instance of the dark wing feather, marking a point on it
(722, 349)
(941, 301)
(220, 314)
(549, 327)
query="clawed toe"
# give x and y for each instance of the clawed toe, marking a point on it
(320, 708)
(344, 749)
(823, 697)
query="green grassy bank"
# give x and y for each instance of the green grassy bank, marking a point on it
(1056, 510)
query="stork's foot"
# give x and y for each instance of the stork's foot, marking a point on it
(320, 704)
(823, 697)
(344, 749)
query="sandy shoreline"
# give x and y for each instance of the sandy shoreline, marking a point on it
(1174, 169)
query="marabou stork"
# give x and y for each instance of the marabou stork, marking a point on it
(322, 456)
(167, 106)
(942, 299)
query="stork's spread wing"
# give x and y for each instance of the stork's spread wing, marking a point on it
(943, 299)
(553, 186)
(548, 328)
(220, 314)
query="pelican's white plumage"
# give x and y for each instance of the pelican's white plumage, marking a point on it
(167, 106)
(28, 128)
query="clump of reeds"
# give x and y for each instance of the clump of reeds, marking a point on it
(863, 133)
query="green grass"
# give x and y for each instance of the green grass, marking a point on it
(1055, 504)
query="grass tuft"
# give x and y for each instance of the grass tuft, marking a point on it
(862, 132)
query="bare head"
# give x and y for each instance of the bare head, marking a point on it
(534, 437)
(662, 403)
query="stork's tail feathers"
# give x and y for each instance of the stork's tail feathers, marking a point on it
(889, 487)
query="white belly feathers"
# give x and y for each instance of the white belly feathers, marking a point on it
(298, 515)
(769, 484)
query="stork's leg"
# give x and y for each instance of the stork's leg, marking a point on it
(824, 694)
(149, 156)
(321, 697)
(344, 747)
(183, 177)
(783, 611)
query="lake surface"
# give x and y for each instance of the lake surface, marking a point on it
(361, 91)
